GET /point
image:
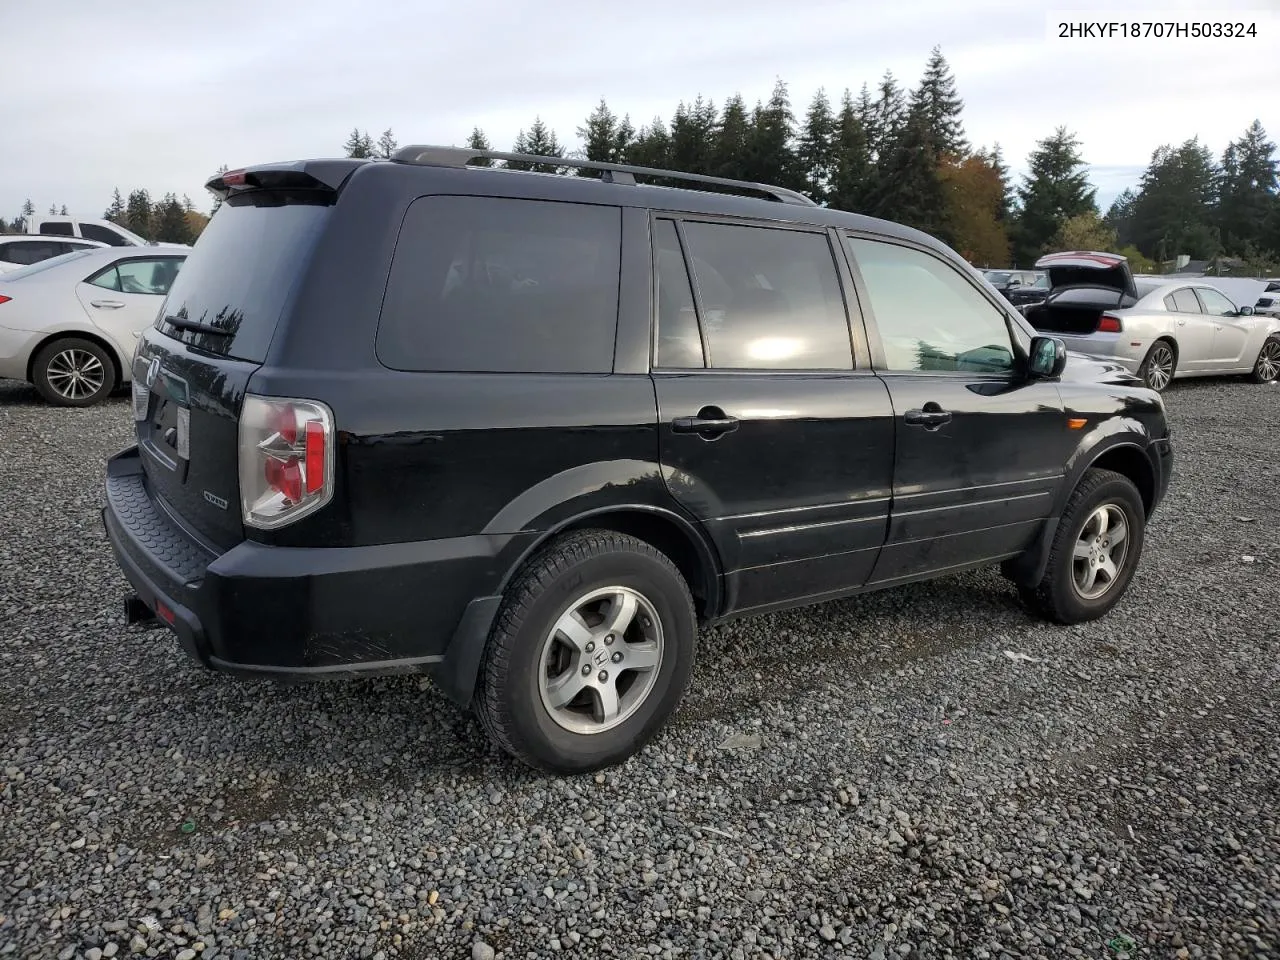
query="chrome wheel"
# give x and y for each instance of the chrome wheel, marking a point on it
(1268, 367)
(600, 661)
(1159, 367)
(1100, 551)
(75, 374)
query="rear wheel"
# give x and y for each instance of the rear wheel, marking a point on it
(1095, 550)
(73, 372)
(1267, 367)
(1159, 366)
(591, 653)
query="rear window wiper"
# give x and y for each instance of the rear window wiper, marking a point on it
(183, 324)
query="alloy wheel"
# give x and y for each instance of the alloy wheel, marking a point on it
(1159, 367)
(75, 374)
(600, 661)
(1100, 551)
(1269, 361)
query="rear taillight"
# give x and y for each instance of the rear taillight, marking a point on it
(286, 460)
(1109, 324)
(4, 299)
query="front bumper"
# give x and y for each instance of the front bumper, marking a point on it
(295, 612)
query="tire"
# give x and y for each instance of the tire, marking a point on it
(1061, 598)
(73, 372)
(529, 664)
(1266, 369)
(1159, 365)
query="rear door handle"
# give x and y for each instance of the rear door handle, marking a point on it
(711, 422)
(107, 304)
(929, 419)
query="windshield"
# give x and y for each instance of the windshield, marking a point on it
(997, 276)
(43, 265)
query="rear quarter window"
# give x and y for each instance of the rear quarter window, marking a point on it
(496, 285)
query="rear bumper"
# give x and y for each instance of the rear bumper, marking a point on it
(15, 352)
(1108, 346)
(299, 613)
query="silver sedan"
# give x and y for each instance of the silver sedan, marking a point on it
(1158, 330)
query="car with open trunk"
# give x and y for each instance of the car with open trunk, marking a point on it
(526, 433)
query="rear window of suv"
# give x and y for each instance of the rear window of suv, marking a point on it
(495, 285)
(241, 273)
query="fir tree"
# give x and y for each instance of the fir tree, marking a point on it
(170, 222)
(540, 141)
(1120, 216)
(53, 209)
(28, 208)
(359, 145)
(909, 189)
(478, 141)
(1172, 212)
(387, 145)
(63, 211)
(1248, 199)
(115, 212)
(816, 148)
(138, 214)
(888, 112)
(770, 157)
(853, 176)
(652, 146)
(730, 148)
(1055, 189)
(692, 136)
(996, 159)
(942, 106)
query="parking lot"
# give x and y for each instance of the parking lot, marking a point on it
(927, 772)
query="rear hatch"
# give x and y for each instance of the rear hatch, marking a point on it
(1083, 285)
(212, 333)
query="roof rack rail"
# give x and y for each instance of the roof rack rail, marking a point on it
(435, 156)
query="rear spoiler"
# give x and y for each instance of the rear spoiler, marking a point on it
(321, 175)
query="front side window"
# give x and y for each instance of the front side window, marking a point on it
(496, 285)
(1215, 303)
(769, 298)
(930, 318)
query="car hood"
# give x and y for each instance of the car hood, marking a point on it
(1086, 368)
(1086, 268)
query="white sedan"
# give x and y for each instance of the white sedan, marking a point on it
(69, 324)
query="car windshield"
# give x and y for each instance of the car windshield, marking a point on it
(45, 265)
(998, 276)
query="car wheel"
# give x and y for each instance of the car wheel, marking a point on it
(72, 372)
(1159, 366)
(1267, 367)
(590, 654)
(1095, 550)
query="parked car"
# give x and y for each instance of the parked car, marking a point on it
(1269, 303)
(1160, 330)
(69, 324)
(19, 251)
(104, 231)
(524, 432)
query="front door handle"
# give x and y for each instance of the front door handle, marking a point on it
(710, 423)
(931, 417)
(107, 304)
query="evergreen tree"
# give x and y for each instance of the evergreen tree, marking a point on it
(652, 146)
(387, 145)
(63, 211)
(187, 205)
(359, 145)
(28, 208)
(478, 141)
(1172, 214)
(853, 176)
(1120, 216)
(729, 152)
(1248, 199)
(599, 135)
(138, 214)
(1055, 189)
(888, 111)
(540, 141)
(996, 159)
(693, 136)
(115, 212)
(53, 209)
(170, 222)
(909, 189)
(770, 157)
(942, 106)
(816, 148)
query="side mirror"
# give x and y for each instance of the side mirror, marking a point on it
(1246, 312)
(1048, 358)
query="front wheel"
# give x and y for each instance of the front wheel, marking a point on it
(1267, 367)
(1095, 551)
(591, 653)
(1159, 366)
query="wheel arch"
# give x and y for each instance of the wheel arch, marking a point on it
(117, 365)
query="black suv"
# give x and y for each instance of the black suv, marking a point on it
(524, 432)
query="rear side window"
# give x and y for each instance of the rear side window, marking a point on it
(241, 273)
(94, 231)
(1184, 301)
(770, 299)
(57, 229)
(31, 251)
(495, 285)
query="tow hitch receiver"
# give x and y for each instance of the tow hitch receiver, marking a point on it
(136, 611)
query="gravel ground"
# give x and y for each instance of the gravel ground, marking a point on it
(901, 788)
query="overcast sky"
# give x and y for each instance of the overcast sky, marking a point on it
(159, 93)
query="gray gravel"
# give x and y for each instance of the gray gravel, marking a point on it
(873, 778)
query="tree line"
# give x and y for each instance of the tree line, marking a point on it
(903, 155)
(167, 220)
